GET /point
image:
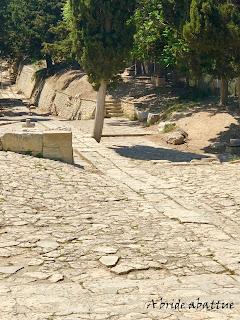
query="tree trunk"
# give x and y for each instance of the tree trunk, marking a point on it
(223, 92)
(100, 112)
(138, 68)
(150, 68)
(143, 69)
(49, 61)
(175, 78)
(238, 90)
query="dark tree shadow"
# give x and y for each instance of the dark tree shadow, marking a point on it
(11, 103)
(141, 152)
(223, 138)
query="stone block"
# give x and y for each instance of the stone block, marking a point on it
(62, 105)
(54, 144)
(142, 116)
(153, 118)
(87, 109)
(28, 124)
(182, 132)
(47, 97)
(129, 109)
(175, 138)
(57, 145)
(26, 80)
(23, 142)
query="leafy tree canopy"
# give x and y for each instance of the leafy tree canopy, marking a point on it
(103, 36)
(28, 26)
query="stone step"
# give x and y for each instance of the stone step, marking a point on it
(114, 111)
(113, 108)
(114, 115)
(113, 105)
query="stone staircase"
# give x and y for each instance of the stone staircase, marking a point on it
(113, 109)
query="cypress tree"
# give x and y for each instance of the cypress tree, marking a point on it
(3, 9)
(212, 34)
(103, 39)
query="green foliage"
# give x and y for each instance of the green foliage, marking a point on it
(148, 42)
(176, 107)
(3, 20)
(158, 37)
(197, 36)
(60, 47)
(169, 127)
(28, 26)
(103, 36)
(176, 12)
(213, 34)
(174, 48)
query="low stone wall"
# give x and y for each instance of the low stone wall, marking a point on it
(67, 94)
(53, 144)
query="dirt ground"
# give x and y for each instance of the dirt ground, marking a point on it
(203, 128)
(205, 122)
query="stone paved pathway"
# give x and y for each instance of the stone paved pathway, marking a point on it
(104, 241)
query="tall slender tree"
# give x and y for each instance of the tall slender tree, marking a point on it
(60, 43)
(3, 20)
(103, 38)
(213, 37)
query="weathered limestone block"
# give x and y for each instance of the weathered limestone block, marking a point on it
(47, 97)
(153, 118)
(129, 109)
(182, 132)
(142, 116)
(28, 124)
(23, 142)
(87, 110)
(62, 105)
(57, 145)
(54, 144)
(26, 80)
(176, 138)
(69, 96)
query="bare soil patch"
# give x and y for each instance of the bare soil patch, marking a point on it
(204, 128)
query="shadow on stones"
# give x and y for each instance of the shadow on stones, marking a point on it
(11, 103)
(141, 152)
(13, 116)
(223, 139)
(79, 166)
